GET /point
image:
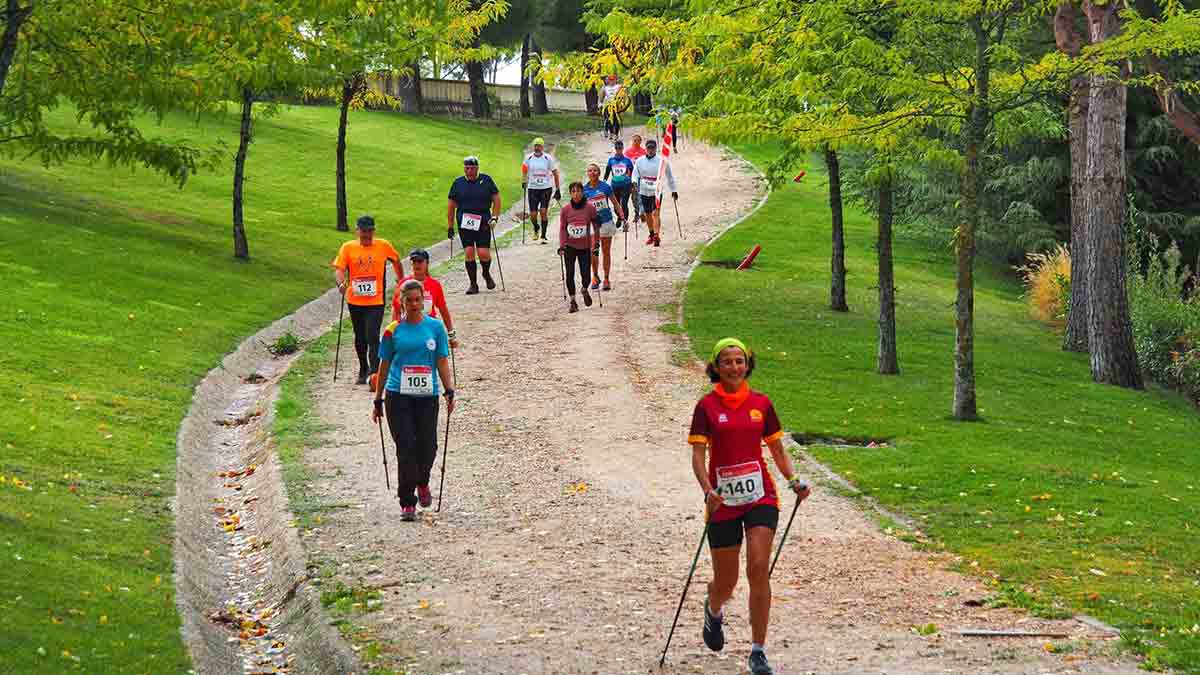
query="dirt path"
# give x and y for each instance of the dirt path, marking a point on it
(571, 515)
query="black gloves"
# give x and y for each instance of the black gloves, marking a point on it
(675, 196)
(557, 195)
(449, 232)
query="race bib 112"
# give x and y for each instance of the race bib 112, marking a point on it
(364, 287)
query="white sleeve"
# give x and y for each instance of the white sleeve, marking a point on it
(671, 178)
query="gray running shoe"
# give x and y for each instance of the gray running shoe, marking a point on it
(758, 663)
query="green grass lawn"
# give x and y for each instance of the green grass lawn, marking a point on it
(1068, 495)
(121, 292)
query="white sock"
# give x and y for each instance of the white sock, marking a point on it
(755, 647)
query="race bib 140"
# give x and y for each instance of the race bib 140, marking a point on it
(740, 484)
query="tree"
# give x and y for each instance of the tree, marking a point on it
(1110, 332)
(937, 82)
(837, 258)
(247, 50)
(129, 60)
(1070, 43)
(382, 36)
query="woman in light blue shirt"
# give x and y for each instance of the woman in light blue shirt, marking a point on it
(413, 357)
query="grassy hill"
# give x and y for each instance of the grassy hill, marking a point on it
(1068, 496)
(121, 292)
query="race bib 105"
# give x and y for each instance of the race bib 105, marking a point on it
(416, 380)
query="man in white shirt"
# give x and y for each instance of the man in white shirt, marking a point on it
(538, 172)
(645, 177)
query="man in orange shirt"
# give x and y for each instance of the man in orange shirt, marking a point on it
(360, 270)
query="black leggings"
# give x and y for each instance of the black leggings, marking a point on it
(367, 320)
(612, 123)
(622, 192)
(584, 258)
(413, 422)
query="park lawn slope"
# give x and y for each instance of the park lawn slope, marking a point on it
(121, 292)
(1068, 496)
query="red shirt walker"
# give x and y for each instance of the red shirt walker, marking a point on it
(735, 427)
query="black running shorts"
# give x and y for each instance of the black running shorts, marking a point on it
(539, 199)
(648, 203)
(481, 238)
(729, 532)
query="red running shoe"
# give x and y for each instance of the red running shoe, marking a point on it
(423, 496)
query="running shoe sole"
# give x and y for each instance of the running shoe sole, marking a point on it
(474, 290)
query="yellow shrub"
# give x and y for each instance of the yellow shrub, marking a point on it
(1048, 284)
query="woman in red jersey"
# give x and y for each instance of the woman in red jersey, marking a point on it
(729, 427)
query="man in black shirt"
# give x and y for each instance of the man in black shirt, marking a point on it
(475, 207)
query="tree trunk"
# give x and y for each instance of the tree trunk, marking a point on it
(1076, 337)
(591, 99)
(975, 132)
(241, 249)
(1110, 334)
(418, 98)
(525, 76)
(14, 17)
(837, 259)
(481, 108)
(348, 89)
(540, 106)
(642, 104)
(1071, 43)
(889, 363)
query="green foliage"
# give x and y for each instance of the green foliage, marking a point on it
(1166, 320)
(285, 344)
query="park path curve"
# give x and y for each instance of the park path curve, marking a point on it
(571, 515)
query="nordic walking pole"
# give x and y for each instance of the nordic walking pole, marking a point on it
(496, 248)
(562, 267)
(524, 196)
(445, 450)
(451, 238)
(677, 221)
(696, 559)
(383, 450)
(784, 537)
(337, 352)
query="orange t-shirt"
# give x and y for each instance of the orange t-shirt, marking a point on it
(365, 266)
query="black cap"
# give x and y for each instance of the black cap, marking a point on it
(618, 143)
(365, 223)
(419, 253)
